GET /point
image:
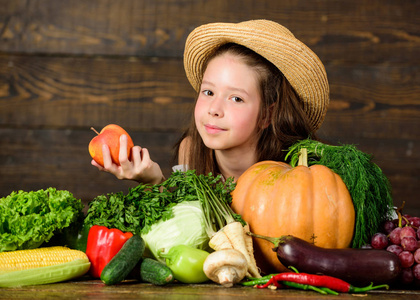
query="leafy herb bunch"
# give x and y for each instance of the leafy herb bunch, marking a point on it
(146, 204)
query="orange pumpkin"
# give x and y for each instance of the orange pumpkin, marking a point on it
(311, 203)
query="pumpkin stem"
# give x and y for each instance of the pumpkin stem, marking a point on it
(303, 157)
(275, 241)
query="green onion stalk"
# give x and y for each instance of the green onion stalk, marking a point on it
(215, 198)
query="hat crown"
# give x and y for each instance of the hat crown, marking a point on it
(268, 26)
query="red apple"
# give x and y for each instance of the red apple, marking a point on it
(109, 135)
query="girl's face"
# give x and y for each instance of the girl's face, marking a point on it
(228, 104)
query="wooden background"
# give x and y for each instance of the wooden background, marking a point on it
(68, 65)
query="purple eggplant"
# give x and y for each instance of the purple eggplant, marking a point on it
(356, 266)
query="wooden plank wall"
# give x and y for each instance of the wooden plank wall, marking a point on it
(68, 65)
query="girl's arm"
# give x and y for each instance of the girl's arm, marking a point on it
(184, 151)
(141, 168)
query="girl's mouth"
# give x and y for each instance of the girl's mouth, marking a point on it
(212, 129)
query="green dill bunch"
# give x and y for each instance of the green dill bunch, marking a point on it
(368, 186)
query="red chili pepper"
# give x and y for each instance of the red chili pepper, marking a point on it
(102, 245)
(332, 283)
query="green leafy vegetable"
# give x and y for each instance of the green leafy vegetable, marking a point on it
(28, 219)
(110, 211)
(166, 214)
(135, 212)
(146, 204)
(186, 227)
(368, 186)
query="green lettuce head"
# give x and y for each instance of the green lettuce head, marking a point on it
(28, 219)
(186, 227)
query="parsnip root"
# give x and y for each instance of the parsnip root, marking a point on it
(233, 236)
(250, 248)
(220, 241)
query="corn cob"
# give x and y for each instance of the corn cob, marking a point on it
(41, 266)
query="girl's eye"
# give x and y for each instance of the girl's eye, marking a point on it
(237, 99)
(208, 93)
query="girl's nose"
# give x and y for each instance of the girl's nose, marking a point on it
(215, 108)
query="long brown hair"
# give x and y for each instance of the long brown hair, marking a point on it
(280, 106)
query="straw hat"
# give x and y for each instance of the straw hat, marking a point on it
(302, 67)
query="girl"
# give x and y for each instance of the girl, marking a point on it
(259, 91)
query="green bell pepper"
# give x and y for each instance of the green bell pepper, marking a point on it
(186, 263)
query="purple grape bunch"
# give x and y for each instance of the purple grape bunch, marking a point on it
(402, 237)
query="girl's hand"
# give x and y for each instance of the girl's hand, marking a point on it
(141, 168)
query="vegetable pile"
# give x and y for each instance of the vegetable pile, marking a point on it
(185, 229)
(187, 209)
(28, 219)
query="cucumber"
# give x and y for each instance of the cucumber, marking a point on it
(124, 261)
(155, 272)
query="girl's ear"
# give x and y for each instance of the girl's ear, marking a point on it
(266, 121)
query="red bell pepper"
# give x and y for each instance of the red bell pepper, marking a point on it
(102, 245)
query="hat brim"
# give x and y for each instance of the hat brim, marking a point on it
(299, 64)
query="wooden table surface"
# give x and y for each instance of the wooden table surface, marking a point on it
(95, 289)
